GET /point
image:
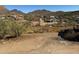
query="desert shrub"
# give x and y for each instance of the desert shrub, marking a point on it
(10, 28)
(37, 29)
(29, 29)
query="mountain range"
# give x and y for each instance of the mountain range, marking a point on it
(38, 13)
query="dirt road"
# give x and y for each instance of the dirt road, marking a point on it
(39, 43)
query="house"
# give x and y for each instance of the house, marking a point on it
(50, 20)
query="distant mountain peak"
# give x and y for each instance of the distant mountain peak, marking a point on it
(41, 10)
(17, 11)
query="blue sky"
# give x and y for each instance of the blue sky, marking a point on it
(29, 8)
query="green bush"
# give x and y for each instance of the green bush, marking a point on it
(10, 28)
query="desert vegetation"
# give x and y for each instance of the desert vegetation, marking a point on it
(10, 29)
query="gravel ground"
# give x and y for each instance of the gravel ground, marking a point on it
(43, 43)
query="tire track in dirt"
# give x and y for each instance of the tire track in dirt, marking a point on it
(39, 43)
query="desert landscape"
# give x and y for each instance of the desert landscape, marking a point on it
(38, 31)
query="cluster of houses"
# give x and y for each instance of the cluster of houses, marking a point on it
(42, 21)
(47, 20)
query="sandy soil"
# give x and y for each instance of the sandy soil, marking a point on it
(38, 43)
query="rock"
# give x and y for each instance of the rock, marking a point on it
(69, 34)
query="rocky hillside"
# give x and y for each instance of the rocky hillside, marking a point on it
(3, 10)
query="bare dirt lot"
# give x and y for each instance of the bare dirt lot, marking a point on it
(38, 43)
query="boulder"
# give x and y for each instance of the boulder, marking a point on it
(69, 34)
